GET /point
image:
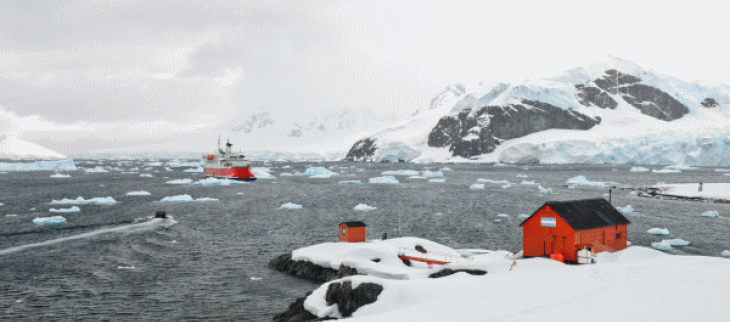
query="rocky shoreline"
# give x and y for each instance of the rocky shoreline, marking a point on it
(308, 270)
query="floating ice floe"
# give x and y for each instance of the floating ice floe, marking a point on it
(180, 181)
(318, 173)
(60, 175)
(195, 170)
(179, 163)
(416, 177)
(215, 182)
(432, 174)
(146, 175)
(364, 207)
(351, 182)
(523, 216)
(521, 176)
(184, 198)
(55, 220)
(72, 209)
(626, 209)
(661, 246)
(82, 201)
(676, 242)
(540, 188)
(525, 182)
(503, 215)
(711, 214)
(482, 180)
(658, 231)
(401, 173)
(725, 253)
(445, 169)
(383, 180)
(286, 174)
(62, 165)
(138, 193)
(477, 186)
(98, 169)
(290, 205)
(262, 173)
(582, 181)
(437, 180)
(638, 169)
(666, 170)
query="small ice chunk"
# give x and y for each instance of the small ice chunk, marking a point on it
(262, 173)
(55, 220)
(582, 181)
(184, 198)
(180, 181)
(138, 193)
(195, 170)
(416, 177)
(658, 231)
(445, 169)
(711, 214)
(525, 182)
(146, 175)
(60, 175)
(476, 186)
(661, 246)
(290, 205)
(72, 209)
(318, 172)
(638, 169)
(82, 201)
(211, 181)
(543, 190)
(408, 173)
(351, 182)
(432, 174)
(503, 215)
(521, 176)
(98, 169)
(504, 182)
(286, 174)
(725, 253)
(384, 180)
(626, 209)
(436, 180)
(676, 242)
(364, 207)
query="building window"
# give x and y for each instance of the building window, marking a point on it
(618, 236)
(344, 231)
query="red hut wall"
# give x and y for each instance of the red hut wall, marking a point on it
(352, 234)
(539, 240)
(604, 239)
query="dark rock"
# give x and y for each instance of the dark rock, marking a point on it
(608, 82)
(709, 102)
(653, 102)
(308, 270)
(349, 300)
(449, 271)
(468, 134)
(406, 262)
(297, 313)
(420, 248)
(588, 95)
(377, 260)
(362, 150)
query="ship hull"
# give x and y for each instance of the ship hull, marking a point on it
(238, 173)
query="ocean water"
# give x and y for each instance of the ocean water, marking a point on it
(209, 262)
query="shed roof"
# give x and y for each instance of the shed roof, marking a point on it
(586, 214)
(353, 223)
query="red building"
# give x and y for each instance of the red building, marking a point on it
(352, 231)
(565, 227)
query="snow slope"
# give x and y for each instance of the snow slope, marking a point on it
(13, 148)
(624, 135)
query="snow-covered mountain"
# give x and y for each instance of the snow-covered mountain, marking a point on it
(14, 148)
(609, 112)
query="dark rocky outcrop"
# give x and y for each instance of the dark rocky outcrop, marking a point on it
(608, 81)
(348, 300)
(308, 270)
(653, 102)
(588, 95)
(362, 150)
(709, 102)
(297, 313)
(449, 271)
(473, 133)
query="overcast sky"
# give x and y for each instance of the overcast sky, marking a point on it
(84, 75)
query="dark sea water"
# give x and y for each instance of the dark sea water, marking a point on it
(210, 261)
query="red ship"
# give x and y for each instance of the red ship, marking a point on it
(225, 164)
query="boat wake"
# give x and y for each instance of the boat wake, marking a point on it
(131, 228)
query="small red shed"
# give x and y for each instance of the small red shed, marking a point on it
(352, 231)
(566, 227)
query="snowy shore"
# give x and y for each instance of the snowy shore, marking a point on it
(638, 282)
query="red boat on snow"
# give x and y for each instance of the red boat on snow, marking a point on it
(225, 164)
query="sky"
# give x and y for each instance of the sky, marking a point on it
(84, 76)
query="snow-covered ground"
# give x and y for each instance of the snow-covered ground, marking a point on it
(692, 190)
(638, 283)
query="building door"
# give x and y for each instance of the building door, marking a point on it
(548, 247)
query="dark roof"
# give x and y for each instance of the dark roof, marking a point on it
(353, 223)
(587, 213)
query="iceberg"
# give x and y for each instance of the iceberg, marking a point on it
(290, 205)
(146, 175)
(477, 186)
(262, 173)
(82, 201)
(60, 175)
(72, 209)
(437, 180)
(184, 198)
(626, 209)
(482, 180)
(582, 181)
(180, 181)
(364, 207)
(98, 169)
(675, 242)
(661, 246)
(401, 173)
(138, 193)
(539, 188)
(383, 180)
(195, 170)
(62, 165)
(318, 172)
(432, 174)
(725, 253)
(55, 220)
(638, 169)
(658, 231)
(711, 214)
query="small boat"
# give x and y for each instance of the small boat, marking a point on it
(225, 164)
